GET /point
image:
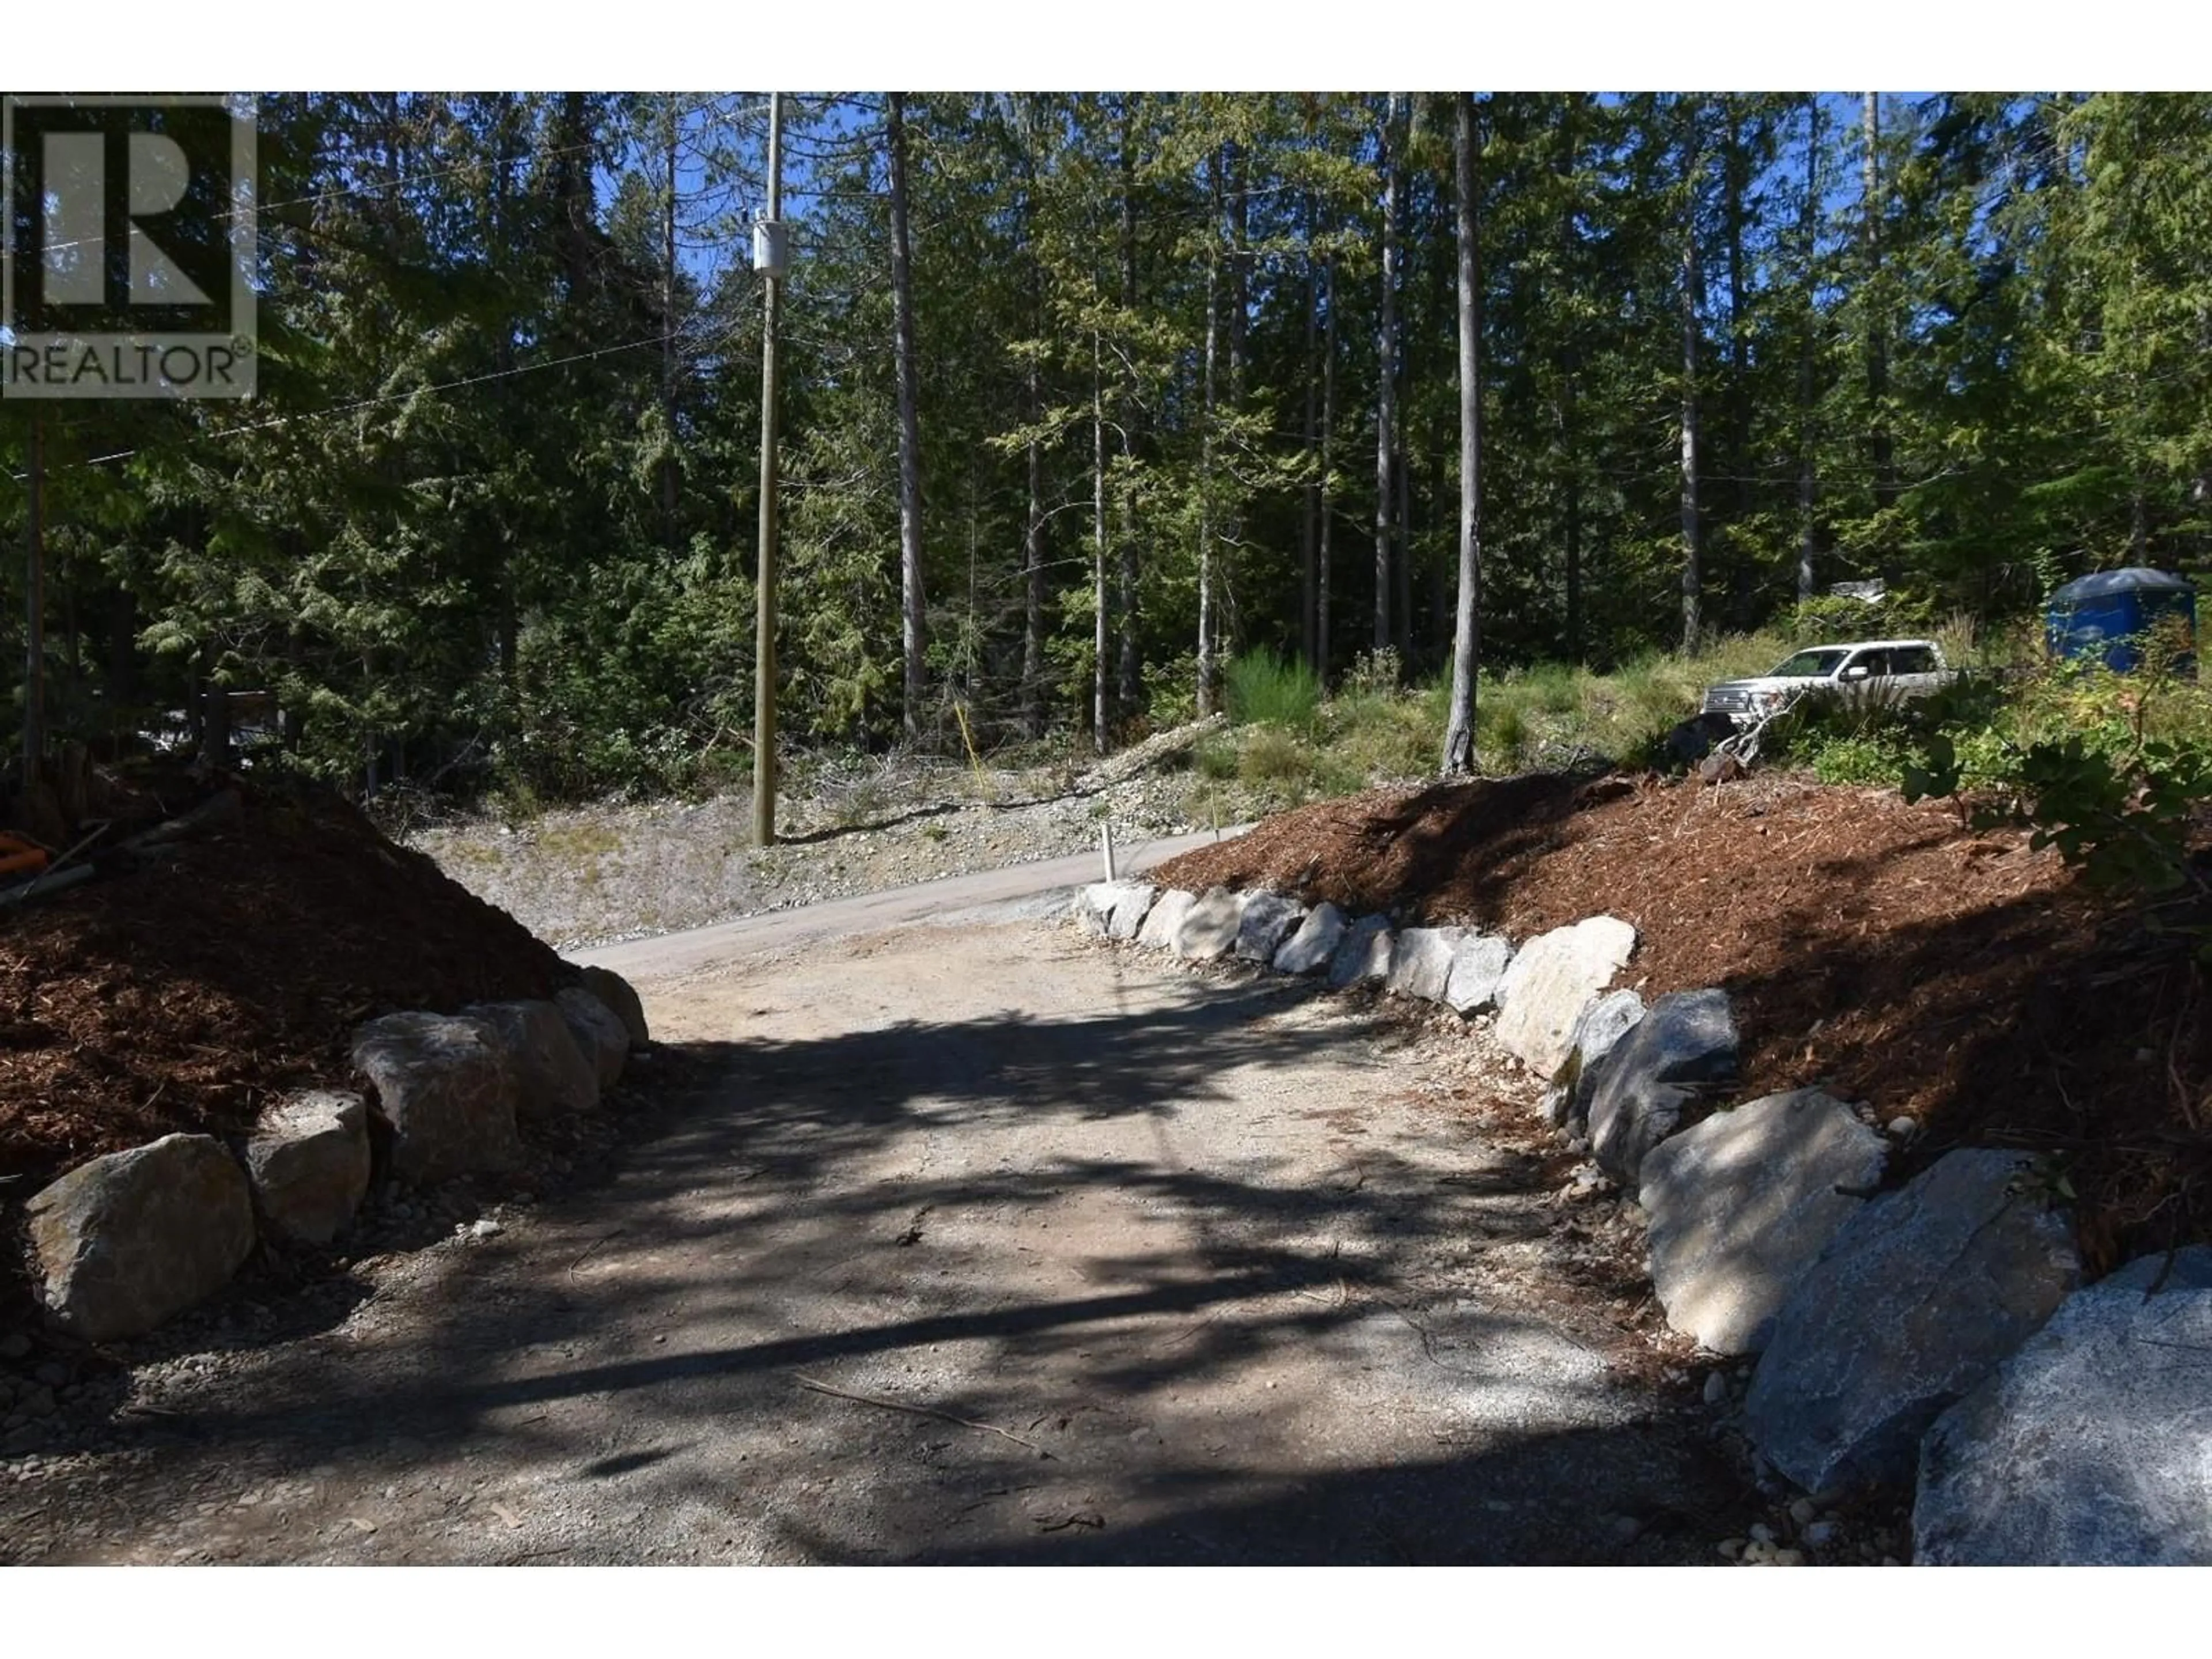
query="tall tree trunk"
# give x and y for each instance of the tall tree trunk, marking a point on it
(913, 621)
(1033, 688)
(1309, 519)
(1876, 311)
(1466, 636)
(1033, 720)
(1238, 172)
(1809, 233)
(1131, 674)
(1386, 376)
(669, 469)
(1736, 460)
(1693, 280)
(1569, 367)
(1327, 505)
(1099, 713)
(1205, 695)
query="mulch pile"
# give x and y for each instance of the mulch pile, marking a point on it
(1879, 950)
(184, 991)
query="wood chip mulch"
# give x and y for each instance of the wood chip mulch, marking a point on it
(186, 993)
(1878, 949)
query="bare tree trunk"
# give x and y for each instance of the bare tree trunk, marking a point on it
(1205, 451)
(1098, 709)
(1692, 279)
(1877, 313)
(1809, 232)
(669, 480)
(1735, 460)
(1033, 691)
(1237, 170)
(1033, 720)
(1132, 674)
(1571, 532)
(912, 620)
(1327, 506)
(1466, 636)
(1309, 519)
(1386, 376)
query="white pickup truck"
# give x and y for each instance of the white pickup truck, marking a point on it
(1875, 668)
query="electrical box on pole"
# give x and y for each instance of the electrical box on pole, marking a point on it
(771, 248)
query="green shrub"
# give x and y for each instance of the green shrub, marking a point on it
(1266, 689)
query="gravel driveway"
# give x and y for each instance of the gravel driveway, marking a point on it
(976, 1244)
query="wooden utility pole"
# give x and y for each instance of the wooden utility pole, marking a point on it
(34, 612)
(764, 596)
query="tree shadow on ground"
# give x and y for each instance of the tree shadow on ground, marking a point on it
(796, 1216)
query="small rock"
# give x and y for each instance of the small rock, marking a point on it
(1903, 1129)
(1761, 1533)
(1716, 1388)
(1732, 1548)
(1802, 1511)
(1789, 1557)
(487, 1227)
(1821, 1534)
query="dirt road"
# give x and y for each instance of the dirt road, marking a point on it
(975, 1245)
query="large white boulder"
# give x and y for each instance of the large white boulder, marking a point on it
(1547, 984)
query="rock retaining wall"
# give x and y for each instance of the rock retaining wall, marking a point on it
(123, 1242)
(1936, 1326)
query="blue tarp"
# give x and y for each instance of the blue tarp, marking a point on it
(2105, 615)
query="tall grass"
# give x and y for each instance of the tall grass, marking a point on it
(1268, 689)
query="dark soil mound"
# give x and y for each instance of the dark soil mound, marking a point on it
(1875, 948)
(180, 991)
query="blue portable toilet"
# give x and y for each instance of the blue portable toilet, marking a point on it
(2108, 614)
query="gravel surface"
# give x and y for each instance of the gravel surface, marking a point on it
(596, 874)
(990, 1245)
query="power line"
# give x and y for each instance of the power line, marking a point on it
(359, 404)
